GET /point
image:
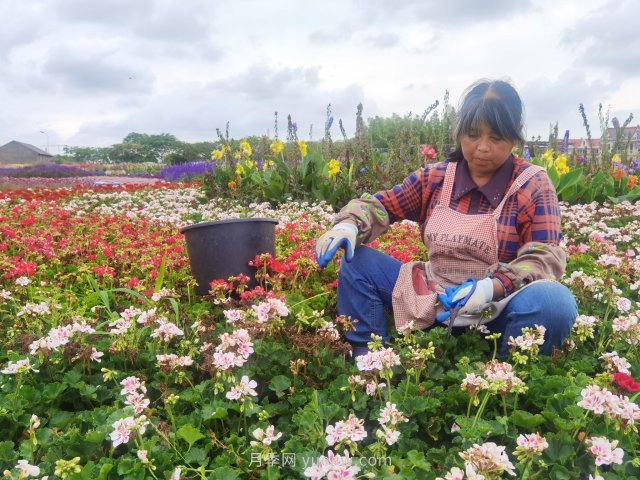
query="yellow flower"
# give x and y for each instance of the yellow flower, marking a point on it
(245, 147)
(615, 159)
(237, 155)
(302, 145)
(547, 158)
(239, 170)
(334, 168)
(561, 165)
(277, 146)
(216, 155)
(250, 164)
(267, 164)
(225, 148)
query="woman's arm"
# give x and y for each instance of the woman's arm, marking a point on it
(373, 214)
(539, 255)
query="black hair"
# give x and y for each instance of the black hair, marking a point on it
(494, 103)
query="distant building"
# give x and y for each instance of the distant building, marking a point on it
(583, 148)
(628, 143)
(23, 153)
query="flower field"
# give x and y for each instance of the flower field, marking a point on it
(112, 368)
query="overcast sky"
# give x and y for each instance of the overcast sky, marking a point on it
(89, 72)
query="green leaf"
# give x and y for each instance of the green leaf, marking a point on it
(161, 273)
(190, 434)
(196, 455)
(7, 454)
(211, 411)
(418, 460)
(280, 384)
(52, 391)
(559, 451)
(104, 471)
(521, 418)
(569, 180)
(144, 299)
(224, 473)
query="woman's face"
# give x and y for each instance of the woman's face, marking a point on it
(484, 151)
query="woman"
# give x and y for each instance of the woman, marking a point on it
(484, 215)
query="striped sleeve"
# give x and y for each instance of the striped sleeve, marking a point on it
(539, 255)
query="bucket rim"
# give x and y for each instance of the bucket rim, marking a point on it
(227, 221)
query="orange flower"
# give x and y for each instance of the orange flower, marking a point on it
(617, 174)
(632, 181)
(232, 185)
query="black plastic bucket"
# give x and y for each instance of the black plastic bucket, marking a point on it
(219, 250)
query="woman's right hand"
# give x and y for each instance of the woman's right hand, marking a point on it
(341, 235)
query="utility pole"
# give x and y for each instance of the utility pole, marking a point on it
(47, 149)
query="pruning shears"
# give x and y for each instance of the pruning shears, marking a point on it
(454, 307)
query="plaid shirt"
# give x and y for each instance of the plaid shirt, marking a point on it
(528, 228)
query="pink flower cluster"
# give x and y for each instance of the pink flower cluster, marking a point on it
(34, 309)
(628, 328)
(487, 460)
(498, 377)
(383, 359)
(349, 430)
(584, 326)
(333, 467)
(166, 331)
(601, 401)
(266, 437)
(60, 336)
(530, 341)
(19, 367)
(390, 418)
(233, 351)
(133, 389)
(615, 363)
(243, 390)
(126, 428)
(172, 361)
(605, 451)
(273, 307)
(530, 445)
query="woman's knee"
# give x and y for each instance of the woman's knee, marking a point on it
(550, 305)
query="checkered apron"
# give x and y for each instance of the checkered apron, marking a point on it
(460, 247)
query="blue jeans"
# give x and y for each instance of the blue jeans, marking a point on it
(364, 293)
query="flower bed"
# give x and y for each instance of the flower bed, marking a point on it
(113, 368)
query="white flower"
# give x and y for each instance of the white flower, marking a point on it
(27, 470)
(18, 367)
(605, 451)
(23, 281)
(243, 389)
(124, 429)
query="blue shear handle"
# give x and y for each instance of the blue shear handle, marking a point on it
(461, 302)
(451, 306)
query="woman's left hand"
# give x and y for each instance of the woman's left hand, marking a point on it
(480, 297)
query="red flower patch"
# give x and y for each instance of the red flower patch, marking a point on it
(626, 382)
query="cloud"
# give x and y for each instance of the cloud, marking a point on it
(91, 72)
(608, 38)
(247, 101)
(262, 82)
(549, 101)
(384, 40)
(442, 12)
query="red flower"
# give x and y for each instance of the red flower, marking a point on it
(428, 152)
(626, 382)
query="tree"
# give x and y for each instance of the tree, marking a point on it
(152, 148)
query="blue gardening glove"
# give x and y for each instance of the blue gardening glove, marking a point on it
(478, 299)
(446, 299)
(341, 235)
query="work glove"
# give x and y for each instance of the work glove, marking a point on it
(456, 297)
(341, 235)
